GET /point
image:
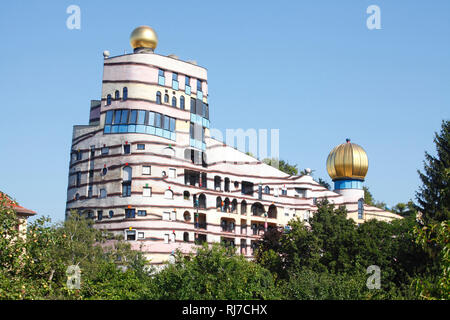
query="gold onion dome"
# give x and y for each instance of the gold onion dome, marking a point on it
(144, 37)
(347, 161)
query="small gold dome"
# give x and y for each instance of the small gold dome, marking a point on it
(347, 161)
(144, 37)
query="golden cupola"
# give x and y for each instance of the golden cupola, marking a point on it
(347, 161)
(143, 38)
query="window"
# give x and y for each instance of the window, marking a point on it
(192, 105)
(227, 185)
(186, 236)
(78, 179)
(284, 192)
(161, 78)
(100, 215)
(172, 237)
(131, 235)
(117, 95)
(267, 190)
(187, 82)
(104, 171)
(158, 97)
(142, 213)
(166, 98)
(186, 195)
(247, 188)
(182, 102)
(175, 81)
(130, 213)
(168, 194)
(102, 193)
(199, 85)
(77, 196)
(174, 102)
(126, 189)
(111, 213)
(147, 192)
(126, 149)
(125, 93)
(133, 117)
(140, 235)
(141, 146)
(109, 117)
(105, 150)
(172, 173)
(146, 170)
(173, 216)
(108, 100)
(79, 155)
(166, 216)
(89, 192)
(361, 208)
(166, 238)
(172, 125)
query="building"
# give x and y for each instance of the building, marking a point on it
(22, 213)
(146, 166)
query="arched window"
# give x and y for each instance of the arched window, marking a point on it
(267, 190)
(127, 173)
(186, 195)
(219, 203)
(234, 206)
(158, 97)
(217, 182)
(108, 100)
(111, 213)
(117, 95)
(227, 185)
(243, 207)
(272, 213)
(166, 98)
(168, 194)
(361, 208)
(226, 205)
(257, 209)
(186, 237)
(182, 102)
(187, 216)
(174, 102)
(202, 201)
(125, 93)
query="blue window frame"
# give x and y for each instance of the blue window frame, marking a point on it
(166, 98)
(109, 117)
(172, 125)
(199, 85)
(126, 189)
(108, 100)
(141, 146)
(151, 118)
(124, 117)
(130, 213)
(158, 97)
(158, 120)
(161, 78)
(174, 102)
(125, 93)
(117, 95)
(141, 117)
(187, 80)
(182, 102)
(111, 213)
(166, 122)
(360, 208)
(117, 115)
(133, 117)
(142, 213)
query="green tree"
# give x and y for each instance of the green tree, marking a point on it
(434, 195)
(214, 273)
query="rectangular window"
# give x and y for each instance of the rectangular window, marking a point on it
(166, 216)
(100, 215)
(89, 192)
(140, 235)
(151, 118)
(126, 189)
(172, 173)
(191, 130)
(78, 179)
(133, 117)
(130, 213)
(199, 85)
(166, 122)
(105, 150)
(141, 146)
(187, 80)
(79, 155)
(131, 235)
(173, 216)
(172, 125)
(172, 237)
(192, 105)
(147, 192)
(161, 78)
(124, 117)
(166, 238)
(158, 120)
(126, 149)
(141, 117)
(109, 117)
(102, 193)
(146, 170)
(142, 213)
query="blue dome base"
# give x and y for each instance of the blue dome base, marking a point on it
(348, 184)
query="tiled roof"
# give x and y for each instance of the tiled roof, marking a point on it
(19, 209)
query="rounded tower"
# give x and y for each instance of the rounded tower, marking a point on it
(347, 165)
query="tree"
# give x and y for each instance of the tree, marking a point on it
(214, 273)
(434, 195)
(370, 200)
(324, 183)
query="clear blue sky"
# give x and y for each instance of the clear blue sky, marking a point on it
(387, 89)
